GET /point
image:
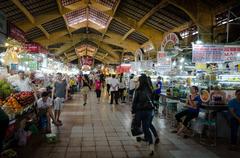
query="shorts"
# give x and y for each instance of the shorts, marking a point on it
(58, 103)
(84, 90)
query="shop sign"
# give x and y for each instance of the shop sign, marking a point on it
(86, 60)
(123, 69)
(3, 23)
(35, 48)
(208, 54)
(16, 33)
(231, 52)
(163, 62)
(160, 55)
(169, 41)
(215, 53)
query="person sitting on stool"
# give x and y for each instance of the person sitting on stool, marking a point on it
(193, 103)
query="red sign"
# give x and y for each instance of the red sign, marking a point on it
(231, 52)
(16, 33)
(35, 48)
(123, 69)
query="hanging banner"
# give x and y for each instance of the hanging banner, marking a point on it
(16, 33)
(215, 53)
(35, 48)
(231, 52)
(208, 54)
(86, 60)
(163, 62)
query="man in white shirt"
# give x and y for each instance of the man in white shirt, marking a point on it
(22, 83)
(114, 85)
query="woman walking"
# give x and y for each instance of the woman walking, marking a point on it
(143, 109)
(98, 86)
(85, 88)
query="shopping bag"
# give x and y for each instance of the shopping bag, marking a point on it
(136, 127)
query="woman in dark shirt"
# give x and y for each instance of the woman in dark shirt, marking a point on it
(143, 109)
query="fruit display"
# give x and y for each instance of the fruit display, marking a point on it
(24, 98)
(12, 107)
(5, 89)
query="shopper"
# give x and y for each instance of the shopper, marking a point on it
(157, 92)
(4, 122)
(234, 108)
(85, 88)
(102, 79)
(72, 84)
(142, 107)
(193, 103)
(132, 86)
(98, 85)
(122, 88)
(60, 93)
(44, 105)
(114, 85)
(108, 84)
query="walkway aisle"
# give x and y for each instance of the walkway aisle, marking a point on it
(103, 131)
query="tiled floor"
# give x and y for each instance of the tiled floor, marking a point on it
(103, 131)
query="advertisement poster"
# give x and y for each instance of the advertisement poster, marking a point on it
(208, 54)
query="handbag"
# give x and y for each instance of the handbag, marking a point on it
(136, 127)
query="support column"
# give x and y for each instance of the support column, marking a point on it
(205, 19)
